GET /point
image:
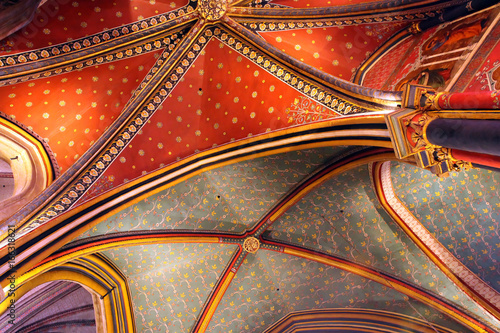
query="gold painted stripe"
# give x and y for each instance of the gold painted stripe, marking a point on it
(215, 303)
(189, 17)
(193, 34)
(256, 12)
(363, 315)
(61, 272)
(398, 286)
(230, 25)
(100, 268)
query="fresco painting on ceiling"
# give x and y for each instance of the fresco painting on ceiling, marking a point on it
(194, 204)
(441, 55)
(249, 100)
(72, 110)
(338, 50)
(169, 283)
(378, 74)
(483, 72)
(288, 283)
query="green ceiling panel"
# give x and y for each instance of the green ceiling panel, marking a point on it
(170, 283)
(270, 285)
(461, 211)
(230, 198)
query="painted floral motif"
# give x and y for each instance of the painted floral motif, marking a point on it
(169, 283)
(230, 198)
(454, 266)
(221, 98)
(289, 283)
(461, 211)
(343, 217)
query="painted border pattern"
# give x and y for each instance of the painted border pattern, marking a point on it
(460, 270)
(291, 25)
(48, 150)
(92, 41)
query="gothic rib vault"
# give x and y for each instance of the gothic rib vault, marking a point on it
(219, 172)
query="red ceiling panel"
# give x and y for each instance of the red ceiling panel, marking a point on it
(336, 50)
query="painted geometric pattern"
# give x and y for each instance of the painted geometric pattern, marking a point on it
(222, 97)
(483, 71)
(411, 59)
(288, 283)
(335, 50)
(461, 211)
(230, 198)
(378, 74)
(343, 217)
(169, 283)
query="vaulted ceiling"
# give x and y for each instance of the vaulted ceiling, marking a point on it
(181, 137)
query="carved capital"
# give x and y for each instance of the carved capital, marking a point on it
(408, 134)
(251, 244)
(421, 98)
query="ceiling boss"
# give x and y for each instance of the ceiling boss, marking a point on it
(251, 244)
(212, 10)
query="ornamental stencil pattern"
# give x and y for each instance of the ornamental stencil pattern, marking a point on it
(462, 212)
(287, 283)
(169, 283)
(342, 217)
(230, 198)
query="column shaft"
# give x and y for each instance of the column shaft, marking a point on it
(484, 100)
